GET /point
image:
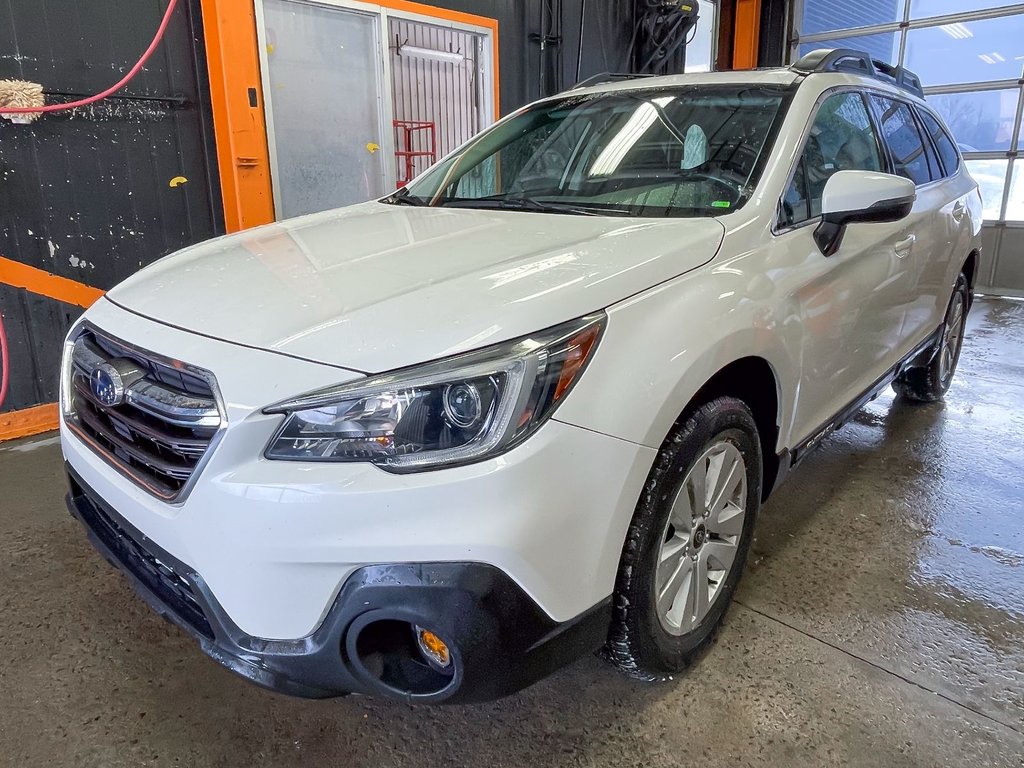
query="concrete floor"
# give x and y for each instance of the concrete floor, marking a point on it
(880, 623)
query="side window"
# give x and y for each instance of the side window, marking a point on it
(904, 139)
(943, 143)
(842, 138)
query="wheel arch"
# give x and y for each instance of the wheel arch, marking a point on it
(753, 381)
(970, 270)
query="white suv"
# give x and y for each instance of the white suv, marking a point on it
(435, 446)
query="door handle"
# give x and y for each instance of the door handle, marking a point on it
(905, 246)
(959, 210)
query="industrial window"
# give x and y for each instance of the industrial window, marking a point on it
(841, 139)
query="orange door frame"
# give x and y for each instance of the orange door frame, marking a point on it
(236, 95)
(746, 34)
(236, 87)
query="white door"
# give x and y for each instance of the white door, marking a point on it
(323, 92)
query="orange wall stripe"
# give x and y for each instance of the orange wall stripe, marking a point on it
(437, 13)
(30, 421)
(460, 18)
(747, 34)
(46, 284)
(232, 55)
(42, 418)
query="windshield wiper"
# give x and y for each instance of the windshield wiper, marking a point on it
(404, 197)
(532, 204)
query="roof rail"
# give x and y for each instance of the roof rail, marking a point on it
(861, 63)
(607, 77)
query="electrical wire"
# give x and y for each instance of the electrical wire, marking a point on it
(109, 91)
(5, 364)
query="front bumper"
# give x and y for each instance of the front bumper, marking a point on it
(500, 639)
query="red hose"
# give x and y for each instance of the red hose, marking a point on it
(99, 96)
(5, 364)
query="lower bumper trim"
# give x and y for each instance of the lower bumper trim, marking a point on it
(501, 640)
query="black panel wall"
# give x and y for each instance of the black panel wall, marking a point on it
(87, 195)
(607, 33)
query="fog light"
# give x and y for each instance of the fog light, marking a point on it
(433, 648)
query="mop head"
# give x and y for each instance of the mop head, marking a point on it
(20, 94)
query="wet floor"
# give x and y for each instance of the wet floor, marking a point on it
(880, 623)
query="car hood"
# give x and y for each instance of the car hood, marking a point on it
(375, 287)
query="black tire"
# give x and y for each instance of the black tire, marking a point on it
(638, 643)
(929, 383)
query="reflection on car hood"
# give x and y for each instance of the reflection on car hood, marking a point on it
(375, 287)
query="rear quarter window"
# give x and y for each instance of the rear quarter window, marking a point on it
(901, 134)
(943, 142)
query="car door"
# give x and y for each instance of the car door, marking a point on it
(928, 229)
(949, 197)
(850, 305)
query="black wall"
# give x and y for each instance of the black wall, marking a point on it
(607, 33)
(86, 194)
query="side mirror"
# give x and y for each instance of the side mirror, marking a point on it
(853, 197)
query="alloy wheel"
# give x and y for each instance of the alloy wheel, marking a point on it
(952, 338)
(701, 539)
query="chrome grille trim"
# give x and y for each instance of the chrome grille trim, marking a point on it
(163, 433)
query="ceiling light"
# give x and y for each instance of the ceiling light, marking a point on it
(416, 52)
(957, 31)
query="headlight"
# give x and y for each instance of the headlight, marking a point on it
(453, 411)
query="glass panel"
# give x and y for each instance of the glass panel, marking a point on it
(904, 139)
(943, 143)
(826, 15)
(922, 9)
(841, 139)
(991, 178)
(1015, 204)
(323, 95)
(974, 51)
(884, 46)
(981, 121)
(683, 151)
(699, 49)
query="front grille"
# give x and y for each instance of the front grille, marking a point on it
(163, 419)
(169, 586)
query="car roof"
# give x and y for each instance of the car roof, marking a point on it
(774, 76)
(826, 67)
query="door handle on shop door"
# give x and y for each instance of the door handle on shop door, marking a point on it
(905, 246)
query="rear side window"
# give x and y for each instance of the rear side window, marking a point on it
(943, 143)
(905, 142)
(841, 139)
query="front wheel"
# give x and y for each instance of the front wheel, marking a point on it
(688, 541)
(930, 382)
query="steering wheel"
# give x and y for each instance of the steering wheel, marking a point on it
(734, 188)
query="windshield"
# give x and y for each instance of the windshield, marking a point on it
(683, 151)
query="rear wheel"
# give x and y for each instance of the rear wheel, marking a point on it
(929, 383)
(688, 541)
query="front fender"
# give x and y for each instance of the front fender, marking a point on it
(662, 346)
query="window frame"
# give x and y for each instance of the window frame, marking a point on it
(778, 228)
(876, 110)
(923, 111)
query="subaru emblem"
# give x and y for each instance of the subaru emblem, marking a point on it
(107, 385)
